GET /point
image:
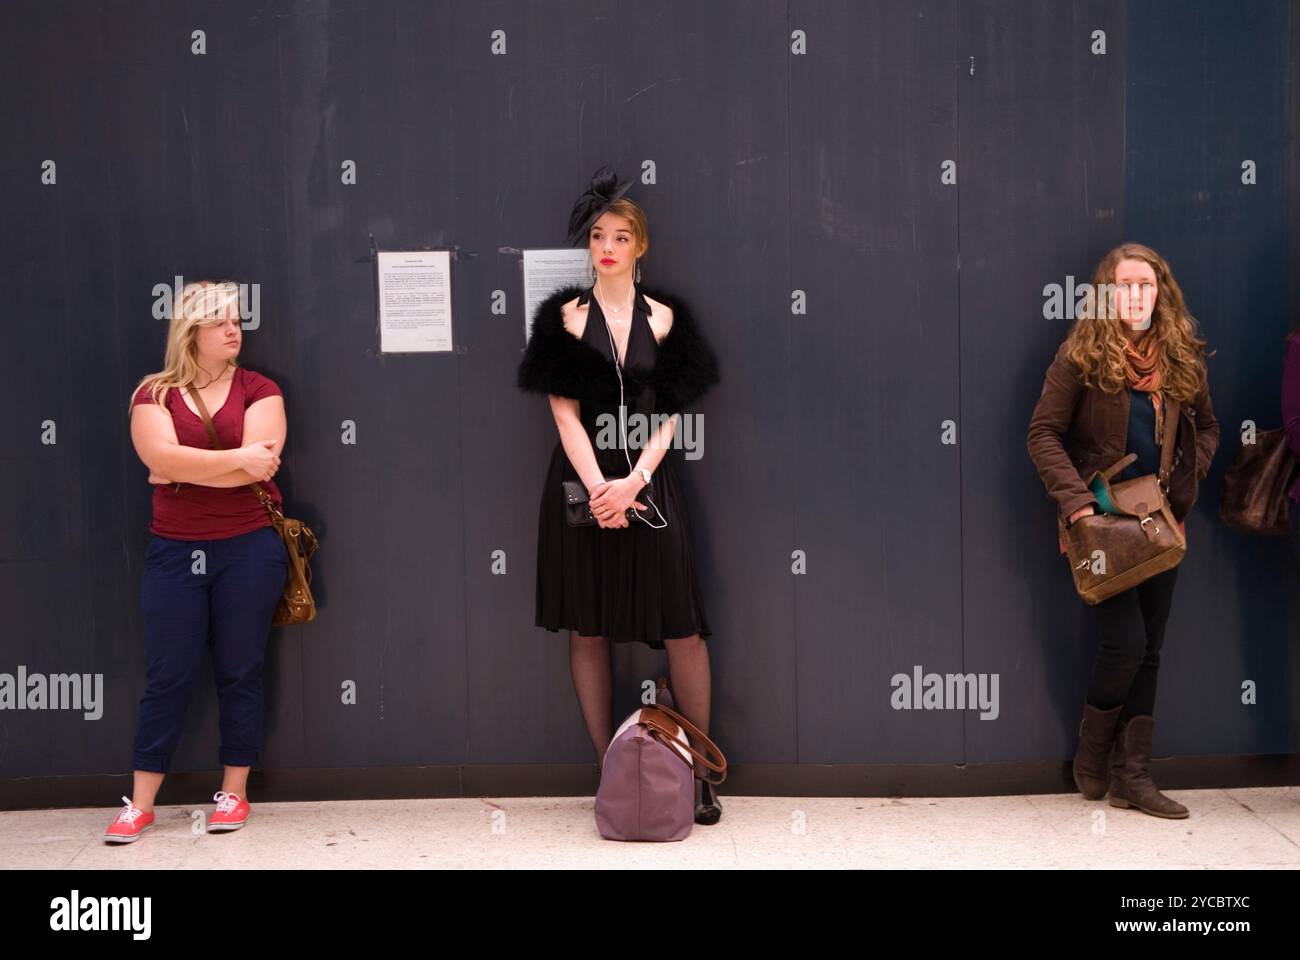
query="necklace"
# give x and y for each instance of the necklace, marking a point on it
(608, 310)
(619, 347)
(213, 380)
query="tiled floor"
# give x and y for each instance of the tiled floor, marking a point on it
(1247, 828)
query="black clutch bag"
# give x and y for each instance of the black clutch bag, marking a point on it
(577, 505)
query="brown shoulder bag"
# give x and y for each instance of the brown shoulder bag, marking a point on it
(1111, 552)
(1256, 495)
(296, 603)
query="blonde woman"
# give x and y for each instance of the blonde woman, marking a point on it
(1105, 395)
(215, 567)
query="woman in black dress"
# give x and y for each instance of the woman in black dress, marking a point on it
(631, 576)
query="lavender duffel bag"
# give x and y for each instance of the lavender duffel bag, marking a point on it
(647, 788)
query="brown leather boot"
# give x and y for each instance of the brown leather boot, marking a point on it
(1130, 783)
(1092, 756)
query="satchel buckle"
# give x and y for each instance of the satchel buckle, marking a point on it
(1151, 533)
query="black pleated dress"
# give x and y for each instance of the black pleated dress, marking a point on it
(631, 584)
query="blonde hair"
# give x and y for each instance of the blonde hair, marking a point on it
(1096, 341)
(202, 303)
(631, 211)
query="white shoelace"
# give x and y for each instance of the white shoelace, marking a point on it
(131, 813)
(226, 802)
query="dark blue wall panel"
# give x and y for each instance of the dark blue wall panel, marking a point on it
(874, 360)
(1042, 145)
(1207, 93)
(776, 171)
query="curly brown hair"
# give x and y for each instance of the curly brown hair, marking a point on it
(1096, 341)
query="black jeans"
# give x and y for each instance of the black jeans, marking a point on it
(1130, 633)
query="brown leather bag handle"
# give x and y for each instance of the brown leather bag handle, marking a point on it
(656, 726)
(666, 737)
(258, 489)
(1118, 465)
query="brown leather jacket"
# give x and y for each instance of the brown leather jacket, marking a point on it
(1077, 429)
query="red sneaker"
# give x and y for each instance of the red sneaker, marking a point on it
(130, 823)
(231, 813)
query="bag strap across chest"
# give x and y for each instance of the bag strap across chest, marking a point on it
(258, 489)
(1168, 443)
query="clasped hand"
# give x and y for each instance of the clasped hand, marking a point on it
(610, 500)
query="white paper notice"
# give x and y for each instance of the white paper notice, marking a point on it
(545, 271)
(414, 300)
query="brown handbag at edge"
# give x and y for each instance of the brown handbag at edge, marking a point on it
(1140, 541)
(1256, 493)
(296, 604)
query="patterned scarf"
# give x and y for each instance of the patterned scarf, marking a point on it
(1142, 371)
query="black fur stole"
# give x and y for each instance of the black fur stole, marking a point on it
(557, 362)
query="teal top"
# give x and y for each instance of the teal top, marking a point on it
(1141, 440)
(1099, 493)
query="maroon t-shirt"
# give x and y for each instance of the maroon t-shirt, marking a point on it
(191, 511)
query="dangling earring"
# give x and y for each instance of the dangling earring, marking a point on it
(638, 269)
(591, 271)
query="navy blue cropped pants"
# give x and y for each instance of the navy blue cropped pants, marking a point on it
(224, 600)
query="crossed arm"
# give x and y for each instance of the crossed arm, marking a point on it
(169, 461)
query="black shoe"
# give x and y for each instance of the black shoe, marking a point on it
(707, 809)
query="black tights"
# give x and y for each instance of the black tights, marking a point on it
(1130, 632)
(688, 670)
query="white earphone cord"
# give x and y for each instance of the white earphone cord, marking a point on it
(622, 424)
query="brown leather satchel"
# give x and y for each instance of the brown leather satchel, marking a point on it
(1256, 495)
(296, 603)
(1112, 551)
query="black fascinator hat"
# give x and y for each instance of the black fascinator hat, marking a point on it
(604, 190)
